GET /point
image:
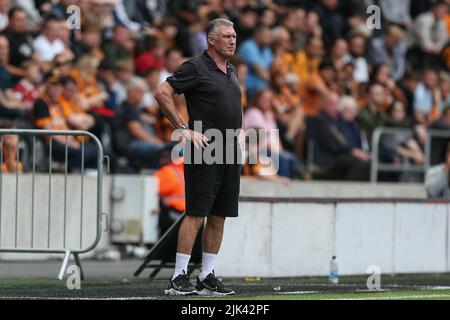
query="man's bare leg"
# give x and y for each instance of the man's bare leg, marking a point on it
(212, 239)
(186, 239)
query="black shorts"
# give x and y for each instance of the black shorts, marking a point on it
(212, 189)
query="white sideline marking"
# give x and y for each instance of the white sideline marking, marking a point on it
(78, 298)
(398, 297)
(298, 292)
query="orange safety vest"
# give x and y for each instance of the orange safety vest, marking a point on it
(171, 185)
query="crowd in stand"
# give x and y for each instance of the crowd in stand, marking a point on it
(314, 70)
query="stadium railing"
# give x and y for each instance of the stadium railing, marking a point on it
(58, 224)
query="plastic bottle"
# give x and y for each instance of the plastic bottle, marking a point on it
(333, 277)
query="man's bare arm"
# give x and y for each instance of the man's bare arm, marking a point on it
(164, 97)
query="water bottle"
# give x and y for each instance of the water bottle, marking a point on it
(333, 278)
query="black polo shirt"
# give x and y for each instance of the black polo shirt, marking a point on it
(212, 96)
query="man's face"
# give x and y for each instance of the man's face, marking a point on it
(377, 95)
(440, 11)
(52, 30)
(4, 5)
(264, 38)
(173, 61)
(225, 41)
(135, 95)
(18, 22)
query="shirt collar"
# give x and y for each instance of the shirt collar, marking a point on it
(211, 63)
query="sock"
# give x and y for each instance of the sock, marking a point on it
(181, 264)
(208, 261)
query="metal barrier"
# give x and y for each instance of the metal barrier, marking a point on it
(40, 219)
(376, 166)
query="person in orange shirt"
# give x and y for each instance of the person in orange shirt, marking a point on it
(172, 194)
(306, 63)
(72, 110)
(314, 91)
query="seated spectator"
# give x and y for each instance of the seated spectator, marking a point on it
(289, 113)
(331, 19)
(338, 159)
(428, 36)
(402, 146)
(261, 116)
(20, 41)
(389, 49)
(306, 62)
(109, 84)
(372, 116)
(151, 57)
(72, 108)
(48, 44)
(426, 98)
(134, 138)
(437, 178)
(92, 96)
(348, 109)
(90, 42)
(4, 7)
(120, 46)
(27, 90)
(47, 115)
(380, 74)
(11, 108)
(357, 45)
(438, 145)
(314, 91)
(339, 54)
(257, 55)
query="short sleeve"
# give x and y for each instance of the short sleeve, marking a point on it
(40, 110)
(184, 79)
(131, 114)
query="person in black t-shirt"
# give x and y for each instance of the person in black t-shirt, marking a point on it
(213, 96)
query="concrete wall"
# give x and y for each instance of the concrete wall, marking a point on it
(299, 239)
(268, 238)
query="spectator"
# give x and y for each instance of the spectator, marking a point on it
(27, 90)
(380, 74)
(173, 58)
(245, 24)
(20, 41)
(90, 42)
(257, 54)
(152, 56)
(47, 115)
(347, 124)
(314, 91)
(339, 54)
(91, 94)
(396, 12)
(72, 108)
(426, 97)
(306, 63)
(428, 36)
(402, 146)
(338, 159)
(437, 179)
(4, 21)
(331, 19)
(389, 49)
(372, 116)
(49, 44)
(11, 108)
(120, 46)
(261, 116)
(134, 138)
(357, 45)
